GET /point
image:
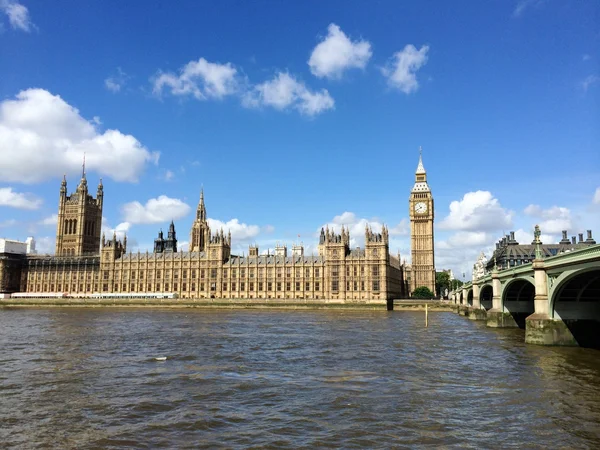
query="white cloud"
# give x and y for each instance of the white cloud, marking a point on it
(45, 245)
(50, 221)
(156, 210)
(477, 211)
(8, 197)
(356, 226)
(115, 82)
(200, 79)
(268, 229)
(18, 15)
(336, 53)
(401, 70)
(526, 237)
(522, 5)
(596, 199)
(42, 137)
(586, 57)
(284, 91)
(239, 231)
(589, 81)
(554, 219)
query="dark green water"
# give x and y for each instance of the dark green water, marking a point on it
(87, 378)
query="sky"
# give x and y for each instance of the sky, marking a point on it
(296, 115)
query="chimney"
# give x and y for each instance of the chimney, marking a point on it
(512, 237)
(573, 240)
(581, 237)
(497, 245)
(564, 233)
(590, 239)
(565, 239)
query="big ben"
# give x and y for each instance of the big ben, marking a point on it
(421, 231)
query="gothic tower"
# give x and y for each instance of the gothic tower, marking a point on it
(421, 231)
(200, 234)
(79, 220)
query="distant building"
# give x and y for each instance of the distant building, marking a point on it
(86, 263)
(18, 247)
(509, 253)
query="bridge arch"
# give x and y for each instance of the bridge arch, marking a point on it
(470, 297)
(575, 298)
(517, 298)
(485, 296)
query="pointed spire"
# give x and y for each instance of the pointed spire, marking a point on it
(201, 210)
(420, 167)
(83, 167)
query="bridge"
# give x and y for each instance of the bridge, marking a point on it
(555, 299)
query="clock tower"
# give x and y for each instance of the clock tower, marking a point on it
(421, 231)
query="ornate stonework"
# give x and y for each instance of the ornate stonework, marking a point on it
(421, 231)
(86, 264)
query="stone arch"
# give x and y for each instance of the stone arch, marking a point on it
(470, 297)
(576, 300)
(485, 296)
(517, 298)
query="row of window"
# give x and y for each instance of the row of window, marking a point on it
(350, 286)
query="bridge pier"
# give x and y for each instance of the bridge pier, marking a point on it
(476, 312)
(540, 327)
(497, 317)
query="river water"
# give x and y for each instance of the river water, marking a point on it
(87, 378)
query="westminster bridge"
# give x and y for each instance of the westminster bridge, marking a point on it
(555, 299)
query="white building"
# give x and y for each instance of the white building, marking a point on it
(18, 247)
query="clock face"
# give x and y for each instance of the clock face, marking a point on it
(421, 208)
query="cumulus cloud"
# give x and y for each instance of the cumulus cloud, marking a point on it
(284, 91)
(117, 81)
(356, 226)
(596, 199)
(18, 200)
(201, 79)
(45, 245)
(50, 221)
(477, 211)
(42, 136)
(156, 210)
(239, 231)
(18, 15)
(526, 237)
(120, 230)
(553, 220)
(401, 69)
(337, 53)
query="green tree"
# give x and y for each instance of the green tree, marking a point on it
(456, 284)
(442, 282)
(422, 292)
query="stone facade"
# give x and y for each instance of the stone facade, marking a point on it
(421, 232)
(208, 270)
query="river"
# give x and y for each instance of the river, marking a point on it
(88, 378)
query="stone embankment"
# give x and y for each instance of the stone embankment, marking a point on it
(215, 303)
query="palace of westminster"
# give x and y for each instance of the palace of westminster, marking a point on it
(86, 262)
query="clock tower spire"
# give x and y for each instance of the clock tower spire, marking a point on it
(421, 231)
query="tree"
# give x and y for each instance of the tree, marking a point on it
(422, 292)
(456, 284)
(442, 282)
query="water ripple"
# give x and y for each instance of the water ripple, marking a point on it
(275, 379)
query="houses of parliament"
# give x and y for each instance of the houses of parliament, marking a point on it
(87, 262)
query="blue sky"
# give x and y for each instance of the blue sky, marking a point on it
(293, 115)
